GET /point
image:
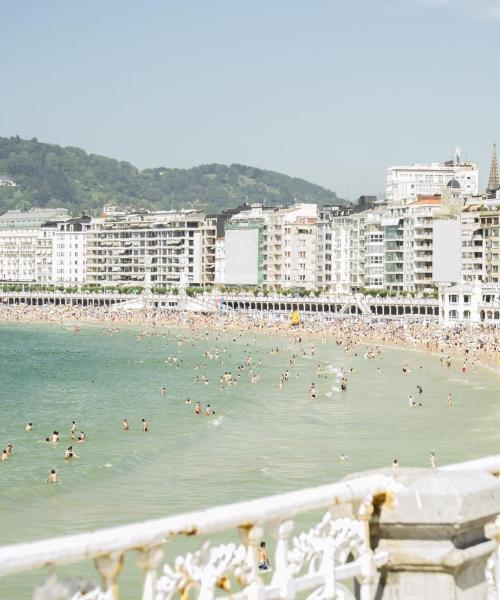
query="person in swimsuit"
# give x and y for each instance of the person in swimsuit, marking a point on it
(263, 559)
(52, 478)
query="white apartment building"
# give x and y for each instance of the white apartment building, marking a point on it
(405, 183)
(338, 250)
(272, 247)
(471, 244)
(374, 234)
(290, 247)
(220, 261)
(418, 243)
(22, 253)
(122, 249)
(69, 252)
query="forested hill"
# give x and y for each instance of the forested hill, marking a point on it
(53, 176)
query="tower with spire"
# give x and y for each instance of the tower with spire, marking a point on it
(494, 180)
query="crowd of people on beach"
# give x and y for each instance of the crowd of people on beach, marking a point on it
(475, 344)
(471, 346)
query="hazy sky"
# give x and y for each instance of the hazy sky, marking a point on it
(333, 91)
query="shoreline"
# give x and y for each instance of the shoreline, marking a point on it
(474, 347)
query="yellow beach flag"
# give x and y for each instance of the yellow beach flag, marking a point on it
(295, 318)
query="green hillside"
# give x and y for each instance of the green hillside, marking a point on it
(50, 175)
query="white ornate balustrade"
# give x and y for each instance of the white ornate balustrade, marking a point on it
(335, 559)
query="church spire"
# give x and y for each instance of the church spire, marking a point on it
(494, 180)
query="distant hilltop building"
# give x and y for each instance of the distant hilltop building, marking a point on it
(405, 183)
(7, 182)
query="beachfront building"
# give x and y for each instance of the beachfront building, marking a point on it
(220, 261)
(272, 247)
(341, 245)
(290, 247)
(61, 252)
(244, 245)
(123, 248)
(21, 234)
(480, 241)
(404, 183)
(471, 244)
(334, 241)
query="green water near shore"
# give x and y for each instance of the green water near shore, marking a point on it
(263, 440)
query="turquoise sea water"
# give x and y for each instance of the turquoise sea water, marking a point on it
(262, 440)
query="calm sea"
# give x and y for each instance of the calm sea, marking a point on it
(262, 440)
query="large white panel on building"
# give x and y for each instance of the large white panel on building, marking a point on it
(446, 250)
(242, 256)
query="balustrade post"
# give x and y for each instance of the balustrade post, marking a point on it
(281, 577)
(492, 531)
(148, 560)
(109, 568)
(368, 568)
(328, 570)
(252, 536)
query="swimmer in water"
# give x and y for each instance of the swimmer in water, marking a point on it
(433, 460)
(163, 391)
(81, 437)
(312, 391)
(55, 437)
(395, 464)
(145, 425)
(450, 400)
(29, 427)
(188, 400)
(69, 454)
(5, 455)
(419, 389)
(73, 428)
(52, 478)
(197, 409)
(125, 426)
(208, 412)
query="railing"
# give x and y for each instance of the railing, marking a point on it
(335, 550)
(319, 561)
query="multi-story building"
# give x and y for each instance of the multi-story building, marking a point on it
(122, 249)
(290, 247)
(61, 252)
(490, 227)
(405, 183)
(272, 247)
(471, 244)
(418, 243)
(21, 249)
(220, 261)
(340, 248)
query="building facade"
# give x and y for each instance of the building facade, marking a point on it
(122, 249)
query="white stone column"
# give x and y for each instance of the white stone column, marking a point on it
(432, 526)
